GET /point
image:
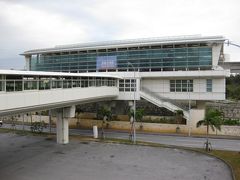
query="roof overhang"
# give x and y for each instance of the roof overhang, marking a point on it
(129, 43)
(58, 74)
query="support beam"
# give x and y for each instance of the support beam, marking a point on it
(62, 128)
(62, 115)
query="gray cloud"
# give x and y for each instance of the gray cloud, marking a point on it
(27, 24)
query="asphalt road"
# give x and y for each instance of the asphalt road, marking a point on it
(36, 158)
(198, 142)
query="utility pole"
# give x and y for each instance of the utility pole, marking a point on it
(134, 104)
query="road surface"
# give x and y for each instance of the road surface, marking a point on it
(195, 142)
(35, 158)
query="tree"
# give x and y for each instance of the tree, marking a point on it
(138, 117)
(139, 114)
(233, 87)
(213, 118)
(106, 115)
(179, 116)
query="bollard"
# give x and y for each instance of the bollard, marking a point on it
(95, 132)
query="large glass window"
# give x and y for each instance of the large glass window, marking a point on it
(127, 85)
(30, 84)
(44, 84)
(181, 85)
(154, 58)
(10, 86)
(209, 85)
(18, 85)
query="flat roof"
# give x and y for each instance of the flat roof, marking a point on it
(59, 74)
(128, 43)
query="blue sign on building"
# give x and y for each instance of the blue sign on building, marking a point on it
(106, 62)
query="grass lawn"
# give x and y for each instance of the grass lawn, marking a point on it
(232, 158)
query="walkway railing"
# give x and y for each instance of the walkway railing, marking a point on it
(164, 99)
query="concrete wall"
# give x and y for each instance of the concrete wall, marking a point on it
(230, 110)
(162, 87)
(148, 127)
(30, 118)
(156, 127)
(159, 82)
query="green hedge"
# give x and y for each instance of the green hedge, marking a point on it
(231, 122)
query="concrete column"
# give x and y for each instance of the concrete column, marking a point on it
(197, 113)
(131, 104)
(27, 62)
(62, 115)
(62, 128)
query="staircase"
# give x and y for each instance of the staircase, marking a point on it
(161, 101)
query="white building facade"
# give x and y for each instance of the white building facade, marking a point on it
(178, 73)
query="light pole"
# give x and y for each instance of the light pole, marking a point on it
(134, 104)
(189, 109)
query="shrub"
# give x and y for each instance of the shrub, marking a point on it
(231, 122)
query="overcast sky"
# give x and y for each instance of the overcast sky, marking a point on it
(29, 24)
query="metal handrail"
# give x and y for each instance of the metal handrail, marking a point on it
(164, 99)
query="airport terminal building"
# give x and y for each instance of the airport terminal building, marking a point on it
(173, 72)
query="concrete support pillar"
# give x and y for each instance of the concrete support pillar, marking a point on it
(62, 115)
(62, 128)
(131, 104)
(197, 114)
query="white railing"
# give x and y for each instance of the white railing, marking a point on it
(164, 99)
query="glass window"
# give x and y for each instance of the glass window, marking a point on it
(184, 86)
(127, 85)
(10, 86)
(190, 85)
(1, 85)
(30, 84)
(209, 85)
(18, 85)
(181, 85)
(44, 84)
(143, 59)
(59, 83)
(172, 86)
(98, 83)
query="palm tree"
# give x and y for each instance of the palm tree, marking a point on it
(213, 118)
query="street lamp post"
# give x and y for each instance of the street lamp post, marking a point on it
(134, 104)
(189, 109)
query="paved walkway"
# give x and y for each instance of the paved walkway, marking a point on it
(33, 157)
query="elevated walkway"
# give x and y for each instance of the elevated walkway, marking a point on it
(26, 91)
(161, 101)
(27, 101)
